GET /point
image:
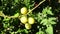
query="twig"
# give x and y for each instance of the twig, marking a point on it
(36, 6)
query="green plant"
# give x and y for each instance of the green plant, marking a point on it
(13, 21)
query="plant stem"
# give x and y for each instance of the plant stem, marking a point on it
(36, 6)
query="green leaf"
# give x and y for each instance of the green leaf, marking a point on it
(44, 10)
(49, 30)
(26, 31)
(27, 2)
(16, 15)
(6, 19)
(52, 19)
(52, 22)
(49, 12)
(16, 1)
(19, 30)
(44, 21)
(6, 25)
(12, 32)
(40, 32)
(2, 32)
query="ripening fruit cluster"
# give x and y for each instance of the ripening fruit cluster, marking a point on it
(27, 21)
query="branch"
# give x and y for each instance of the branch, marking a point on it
(36, 6)
(3, 15)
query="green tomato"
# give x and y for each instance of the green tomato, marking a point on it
(31, 20)
(24, 10)
(28, 26)
(23, 19)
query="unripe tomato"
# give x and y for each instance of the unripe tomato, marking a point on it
(28, 26)
(24, 10)
(31, 20)
(23, 19)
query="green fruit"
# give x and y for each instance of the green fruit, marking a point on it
(24, 10)
(28, 26)
(23, 19)
(31, 20)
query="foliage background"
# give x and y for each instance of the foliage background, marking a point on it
(48, 9)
